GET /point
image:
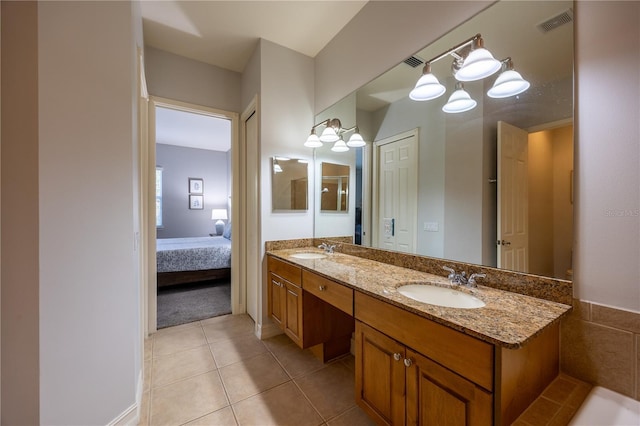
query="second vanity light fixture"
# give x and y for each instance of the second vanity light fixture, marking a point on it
(332, 133)
(471, 62)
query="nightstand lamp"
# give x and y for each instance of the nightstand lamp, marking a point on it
(219, 215)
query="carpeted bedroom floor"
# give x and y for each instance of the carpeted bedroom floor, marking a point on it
(185, 303)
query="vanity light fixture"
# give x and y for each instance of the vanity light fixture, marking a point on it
(340, 146)
(509, 82)
(276, 166)
(459, 101)
(333, 133)
(471, 62)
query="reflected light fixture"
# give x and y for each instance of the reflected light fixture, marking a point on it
(459, 101)
(479, 64)
(340, 146)
(333, 133)
(509, 82)
(471, 62)
(428, 87)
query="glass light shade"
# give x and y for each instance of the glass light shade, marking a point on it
(313, 141)
(509, 83)
(340, 146)
(356, 141)
(459, 101)
(428, 87)
(479, 64)
(329, 135)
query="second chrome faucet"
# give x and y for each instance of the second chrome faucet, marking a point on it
(461, 277)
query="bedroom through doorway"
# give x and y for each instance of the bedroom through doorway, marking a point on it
(193, 187)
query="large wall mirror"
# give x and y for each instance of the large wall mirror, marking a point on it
(463, 193)
(289, 183)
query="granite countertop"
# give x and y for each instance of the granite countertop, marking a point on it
(509, 319)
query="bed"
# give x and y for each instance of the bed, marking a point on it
(188, 260)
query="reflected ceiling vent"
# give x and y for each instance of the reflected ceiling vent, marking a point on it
(556, 21)
(413, 61)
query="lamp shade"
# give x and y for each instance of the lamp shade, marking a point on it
(329, 135)
(428, 87)
(313, 141)
(509, 83)
(219, 214)
(459, 101)
(479, 64)
(356, 141)
(340, 146)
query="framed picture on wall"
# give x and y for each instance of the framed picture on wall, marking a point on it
(196, 186)
(196, 202)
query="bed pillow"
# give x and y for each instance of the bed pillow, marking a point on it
(227, 231)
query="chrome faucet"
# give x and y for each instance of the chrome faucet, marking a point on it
(327, 248)
(461, 278)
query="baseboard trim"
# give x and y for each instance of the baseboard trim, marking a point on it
(265, 331)
(131, 415)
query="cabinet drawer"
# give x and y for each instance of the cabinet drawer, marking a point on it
(289, 272)
(330, 291)
(470, 357)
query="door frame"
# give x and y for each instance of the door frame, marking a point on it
(150, 284)
(375, 200)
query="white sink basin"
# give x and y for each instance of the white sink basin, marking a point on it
(308, 255)
(440, 296)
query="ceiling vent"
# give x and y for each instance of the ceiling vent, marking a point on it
(556, 21)
(414, 61)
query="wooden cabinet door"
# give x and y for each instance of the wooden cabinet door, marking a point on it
(293, 312)
(438, 396)
(277, 293)
(380, 376)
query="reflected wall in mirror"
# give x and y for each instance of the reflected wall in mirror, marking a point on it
(334, 189)
(476, 202)
(289, 183)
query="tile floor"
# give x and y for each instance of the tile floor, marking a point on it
(216, 372)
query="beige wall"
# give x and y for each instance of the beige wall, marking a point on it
(20, 261)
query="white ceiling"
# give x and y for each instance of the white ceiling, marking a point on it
(225, 34)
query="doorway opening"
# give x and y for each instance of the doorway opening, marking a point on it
(190, 205)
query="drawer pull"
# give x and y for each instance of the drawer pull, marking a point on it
(279, 284)
(322, 287)
(407, 362)
(397, 356)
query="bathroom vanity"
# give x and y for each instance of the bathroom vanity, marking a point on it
(417, 363)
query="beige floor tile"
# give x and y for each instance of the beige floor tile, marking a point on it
(187, 399)
(296, 362)
(148, 348)
(283, 405)
(254, 375)
(146, 379)
(349, 361)
(330, 390)
(187, 338)
(176, 328)
(222, 417)
(180, 365)
(352, 417)
(277, 341)
(144, 410)
(227, 327)
(233, 350)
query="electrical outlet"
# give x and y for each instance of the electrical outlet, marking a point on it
(431, 226)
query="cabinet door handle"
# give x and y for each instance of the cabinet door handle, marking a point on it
(397, 356)
(407, 362)
(279, 284)
(322, 287)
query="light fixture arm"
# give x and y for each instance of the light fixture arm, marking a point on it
(476, 38)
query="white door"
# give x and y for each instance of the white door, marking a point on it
(396, 187)
(513, 204)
